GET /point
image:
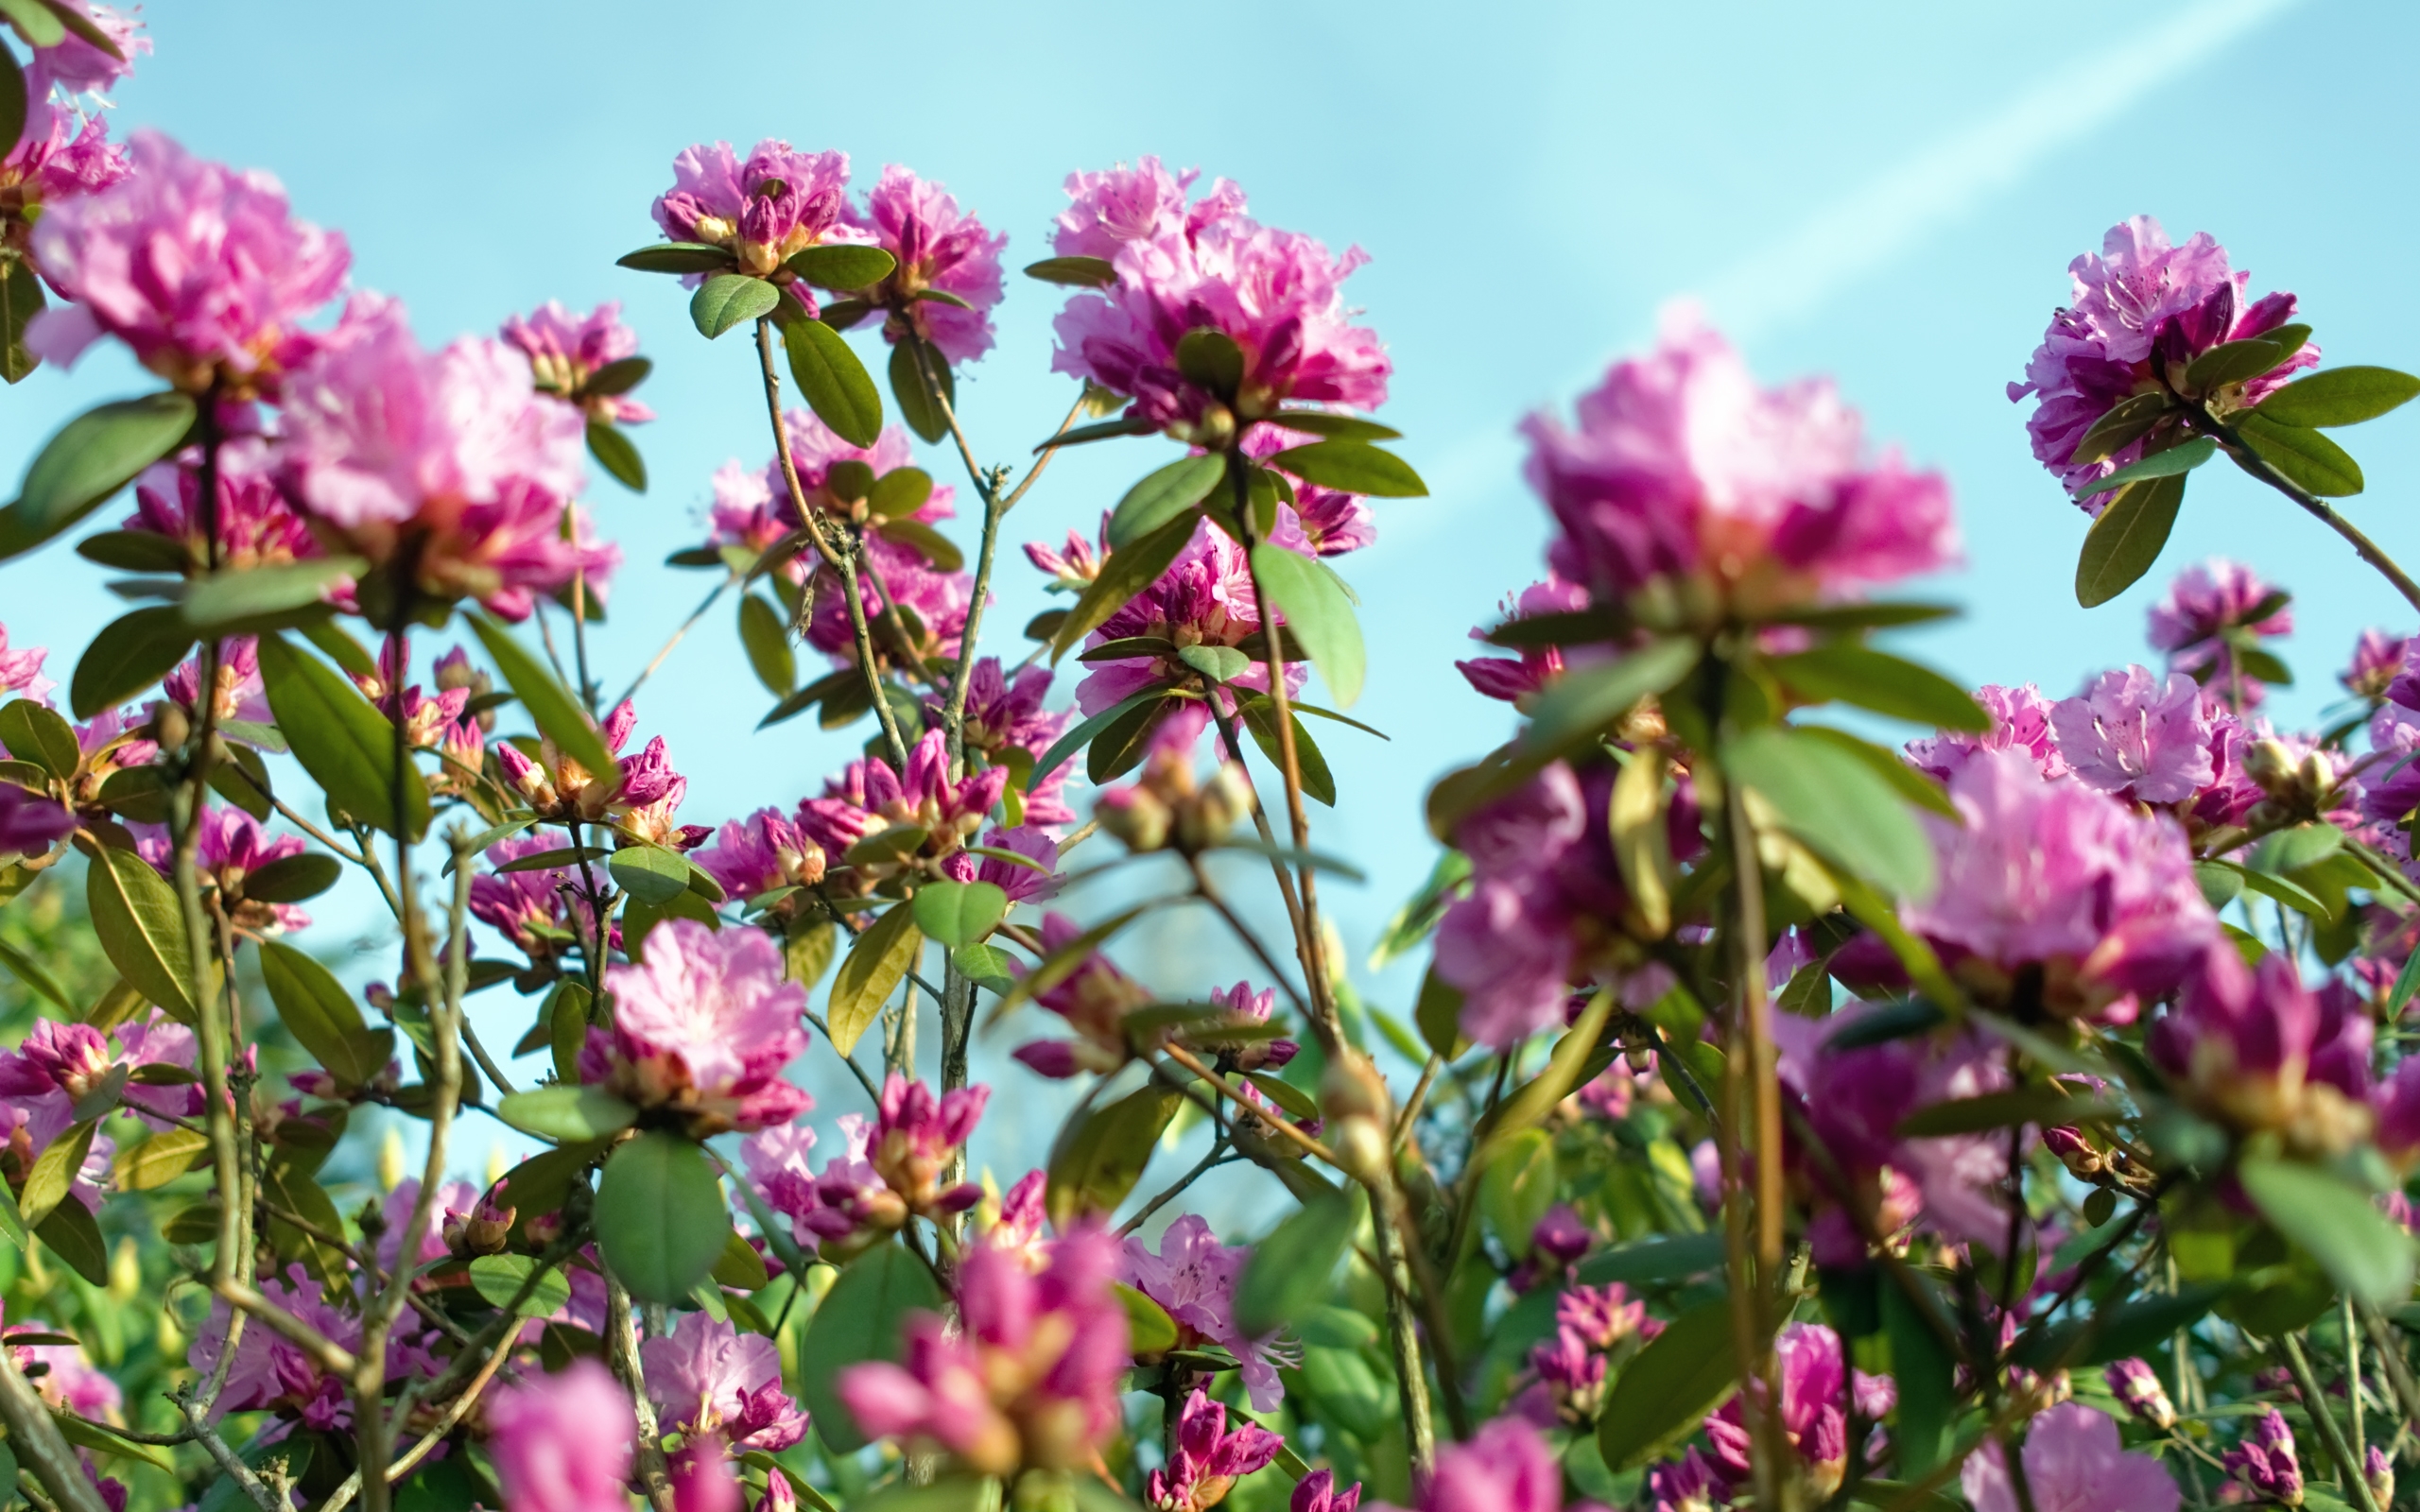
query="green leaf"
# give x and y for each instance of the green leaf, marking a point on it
(1518, 1189)
(2133, 1327)
(1260, 717)
(1355, 466)
(1219, 663)
(500, 1279)
(293, 879)
(34, 732)
(984, 964)
(1288, 1271)
(677, 257)
(835, 383)
(341, 648)
(21, 297)
(160, 1159)
(926, 418)
(93, 456)
(1082, 272)
(137, 551)
(1333, 426)
(1210, 360)
(1098, 1163)
(1162, 495)
(568, 1114)
(142, 929)
(727, 299)
(650, 873)
(1829, 799)
(2174, 462)
(30, 971)
(1121, 747)
(2340, 396)
(1319, 613)
(617, 453)
(2125, 424)
(1882, 682)
(1912, 784)
(958, 914)
(1653, 1259)
(1105, 430)
(41, 25)
(661, 1222)
(878, 959)
(843, 266)
(2366, 1253)
(1669, 1386)
(76, 1238)
(900, 493)
(2046, 1105)
(130, 655)
(322, 1016)
(1924, 1367)
(55, 1172)
(2232, 362)
(926, 541)
(860, 1320)
(2304, 845)
(229, 601)
(617, 377)
(1127, 572)
(2305, 456)
(559, 716)
(347, 746)
(2126, 540)
(1149, 1331)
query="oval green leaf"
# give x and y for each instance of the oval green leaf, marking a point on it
(2340, 396)
(1162, 495)
(843, 266)
(1127, 572)
(1318, 611)
(569, 1114)
(650, 873)
(1078, 272)
(2170, 463)
(1669, 1386)
(228, 601)
(727, 299)
(347, 746)
(1288, 1271)
(858, 1320)
(130, 655)
(2364, 1251)
(878, 960)
(2127, 538)
(617, 453)
(958, 913)
(677, 257)
(1828, 798)
(2305, 456)
(142, 929)
(1355, 466)
(1882, 682)
(661, 1222)
(835, 383)
(91, 457)
(499, 1279)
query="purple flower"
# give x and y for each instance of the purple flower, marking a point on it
(2073, 1462)
(1813, 1412)
(1022, 884)
(232, 846)
(30, 824)
(939, 247)
(1075, 568)
(1505, 1467)
(201, 270)
(2020, 719)
(566, 351)
(67, 1380)
(269, 1372)
(775, 204)
(2050, 874)
(2377, 660)
(707, 1377)
(2212, 611)
(1095, 999)
(1513, 680)
(2263, 1460)
(1683, 471)
(1277, 294)
(2143, 310)
(63, 153)
(1194, 1277)
(1205, 598)
(2396, 1103)
(918, 1136)
(869, 795)
(538, 911)
(762, 852)
(1687, 1485)
(704, 1027)
(2255, 1048)
(1331, 523)
(257, 528)
(1317, 1492)
(562, 1442)
(2136, 735)
(1206, 1460)
(2136, 1384)
(74, 67)
(21, 671)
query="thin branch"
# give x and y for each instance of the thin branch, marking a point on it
(2348, 1468)
(39, 1444)
(1208, 1163)
(2316, 507)
(1271, 1117)
(678, 635)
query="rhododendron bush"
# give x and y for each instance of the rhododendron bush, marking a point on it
(2017, 1118)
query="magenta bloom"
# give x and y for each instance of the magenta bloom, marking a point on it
(2050, 874)
(542, 912)
(21, 671)
(2396, 1103)
(1074, 568)
(1194, 1277)
(1683, 469)
(67, 1380)
(1516, 678)
(869, 795)
(232, 846)
(2073, 1462)
(562, 1442)
(74, 67)
(2209, 608)
(2143, 310)
(1317, 1492)
(2264, 1461)
(707, 1377)
(270, 1373)
(1688, 1483)
(257, 528)
(1207, 1460)
(59, 1065)
(2255, 1048)
(201, 270)
(1003, 714)
(1022, 884)
(1095, 999)
(916, 1138)
(566, 351)
(775, 204)
(1205, 598)
(1029, 1378)
(759, 854)
(1329, 521)
(704, 1027)
(1277, 294)
(30, 824)
(1814, 1412)
(1505, 1467)
(2020, 720)
(939, 247)
(2136, 1384)
(2377, 660)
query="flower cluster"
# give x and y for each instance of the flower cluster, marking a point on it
(702, 1029)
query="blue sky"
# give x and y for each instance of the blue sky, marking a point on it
(1886, 191)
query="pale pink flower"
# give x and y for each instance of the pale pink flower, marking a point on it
(67, 1380)
(706, 1377)
(2020, 720)
(1194, 1277)
(2143, 310)
(1073, 568)
(1114, 209)
(2073, 1462)
(1683, 469)
(566, 351)
(21, 671)
(702, 1027)
(871, 795)
(562, 1442)
(74, 67)
(1687, 1485)
(269, 1372)
(939, 247)
(456, 1196)
(766, 208)
(1523, 675)
(201, 270)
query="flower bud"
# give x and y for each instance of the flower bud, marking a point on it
(2134, 1382)
(2271, 766)
(1355, 1109)
(170, 727)
(1136, 817)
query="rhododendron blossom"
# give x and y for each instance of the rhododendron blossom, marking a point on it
(765, 208)
(1193, 1276)
(566, 352)
(938, 248)
(2209, 610)
(563, 1442)
(705, 1377)
(2072, 1464)
(702, 1029)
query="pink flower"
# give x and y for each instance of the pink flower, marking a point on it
(256, 526)
(2136, 1384)
(1317, 1492)
(538, 911)
(2143, 310)
(2211, 608)
(1687, 1485)
(2377, 661)
(2264, 1461)
(2020, 720)
(1003, 714)
(2072, 1464)
(2257, 1050)
(1075, 568)
(871, 795)
(2049, 875)
(759, 854)
(1095, 999)
(1330, 522)
(21, 671)
(1022, 884)
(1277, 294)
(200, 269)
(566, 351)
(933, 605)
(67, 1380)
(2396, 1103)
(1206, 1460)
(775, 204)
(939, 247)
(918, 1136)
(1505, 1467)
(30, 824)
(1205, 598)
(704, 1027)
(563, 1442)
(232, 846)
(775, 1159)
(62, 153)
(397, 1210)
(1814, 1408)
(74, 67)
(1683, 469)
(1194, 1277)
(705, 1377)
(1029, 1378)
(1513, 681)
(270, 1373)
